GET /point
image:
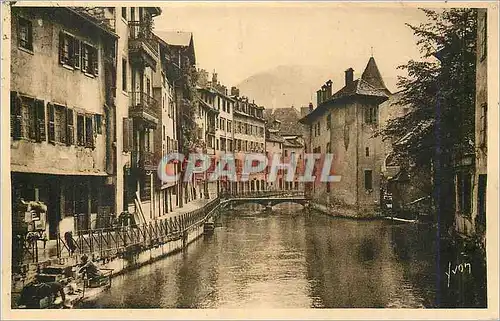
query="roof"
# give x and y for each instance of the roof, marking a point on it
(292, 143)
(175, 38)
(369, 85)
(274, 137)
(373, 77)
(289, 118)
(358, 87)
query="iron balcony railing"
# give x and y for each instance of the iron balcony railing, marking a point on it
(141, 103)
(141, 31)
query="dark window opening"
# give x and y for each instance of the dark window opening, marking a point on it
(368, 180)
(464, 190)
(124, 75)
(367, 151)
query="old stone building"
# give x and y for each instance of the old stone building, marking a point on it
(62, 115)
(274, 150)
(294, 134)
(249, 137)
(343, 124)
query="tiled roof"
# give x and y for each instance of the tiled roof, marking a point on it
(373, 77)
(358, 87)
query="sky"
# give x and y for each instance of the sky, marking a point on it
(241, 39)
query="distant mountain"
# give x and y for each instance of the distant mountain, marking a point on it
(285, 86)
(292, 85)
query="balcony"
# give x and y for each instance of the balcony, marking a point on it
(145, 160)
(143, 49)
(145, 107)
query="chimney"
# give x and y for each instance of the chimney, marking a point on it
(214, 78)
(311, 107)
(323, 93)
(349, 76)
(235, 91)
(329, 89)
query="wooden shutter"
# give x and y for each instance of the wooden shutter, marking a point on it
(95, 61)
(62, 35)
(126, 140)
(89, 132)
(16, 116)
(80, 130)
(70, 128)
(40, 134)
(76, 53)
(51, 117)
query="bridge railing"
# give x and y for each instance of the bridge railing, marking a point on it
(261, 194)
(106, 243)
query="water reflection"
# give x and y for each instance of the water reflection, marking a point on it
(288, 259)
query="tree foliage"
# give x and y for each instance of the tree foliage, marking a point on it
(440, 91)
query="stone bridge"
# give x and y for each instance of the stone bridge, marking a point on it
(268, 199)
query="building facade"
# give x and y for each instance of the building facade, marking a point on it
(62, 116)
(471, 180)
(343, 124)
(248, 137)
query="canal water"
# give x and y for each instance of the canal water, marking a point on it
(294, 259)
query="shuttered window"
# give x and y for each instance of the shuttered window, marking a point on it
(128, 142)
(60, 123)
(16, 129)
(80, 130)
(40, 121)
(70, 128)
(89, 131)
(51, 120)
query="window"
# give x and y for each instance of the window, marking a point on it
(368, 180)
(52, 122)
(319, 128)
(217, 144)
(483, 126)
(229, 126)
(25, 34)
(59, 124)
(69, 50)
(367, 151)
(124, 13)
(89, 131)
(145, 187)
(124, 75)
(464, 192)
(328, 121)
(90, 63)
(286, 153)
(328, 148)
(27, 118)
(98, 124)
(70, 128)
(128, 136)
(371, 115)
(80, 130)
